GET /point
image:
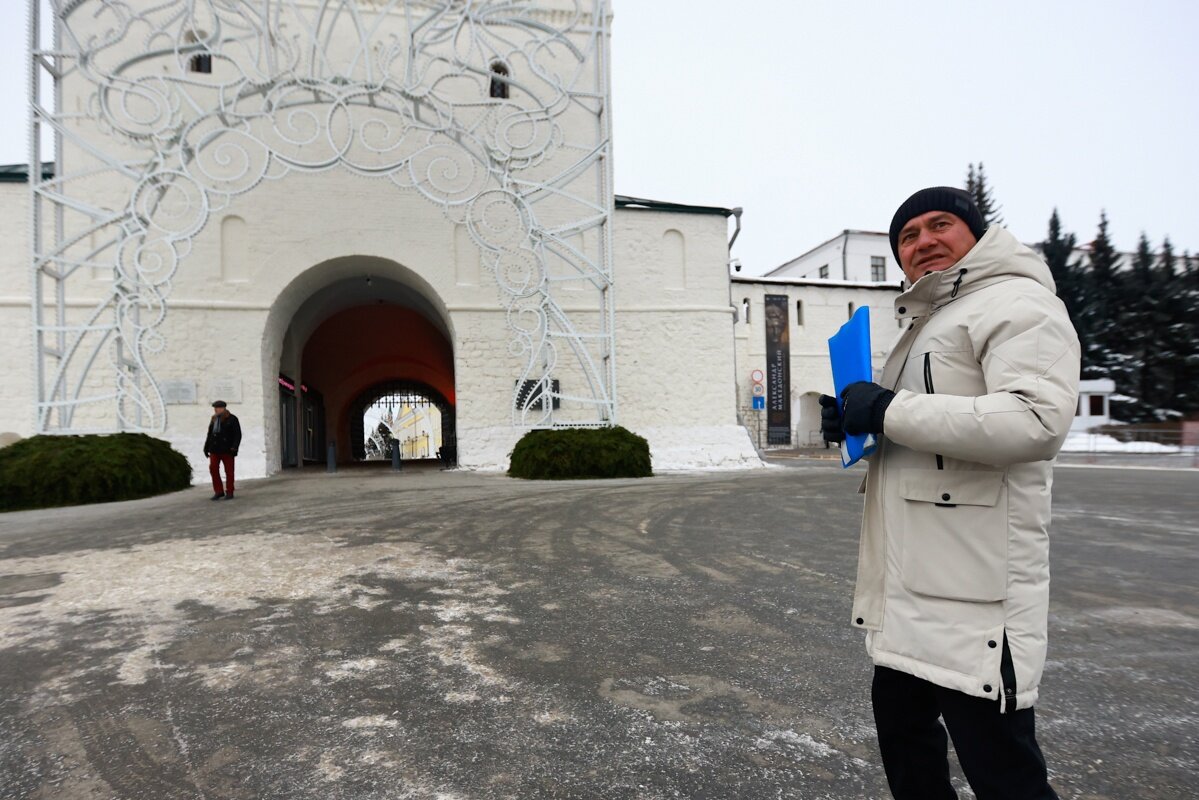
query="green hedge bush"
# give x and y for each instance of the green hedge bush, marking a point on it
(47, 471)
(565, 453)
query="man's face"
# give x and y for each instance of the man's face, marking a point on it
(932, 242)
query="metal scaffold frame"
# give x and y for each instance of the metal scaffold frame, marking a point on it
(163, 114)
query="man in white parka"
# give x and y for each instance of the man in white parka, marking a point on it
(975, 400)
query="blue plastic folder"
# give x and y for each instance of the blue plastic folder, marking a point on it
(849, 351)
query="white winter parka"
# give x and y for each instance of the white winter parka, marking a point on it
(953, 566)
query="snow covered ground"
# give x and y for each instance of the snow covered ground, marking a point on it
(1083, 442)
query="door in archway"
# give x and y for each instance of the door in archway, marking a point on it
(366, 352)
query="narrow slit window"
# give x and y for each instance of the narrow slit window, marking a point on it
(745, 310)
(799, 313)
(850, 309)
(499, 81)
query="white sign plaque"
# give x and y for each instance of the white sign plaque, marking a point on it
(227, 389)
(178, 392)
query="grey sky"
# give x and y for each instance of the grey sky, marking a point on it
(820, 116)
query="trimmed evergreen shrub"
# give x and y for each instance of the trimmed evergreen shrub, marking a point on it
(47, 471)
(565, 453)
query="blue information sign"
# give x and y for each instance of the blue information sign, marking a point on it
(759, 404)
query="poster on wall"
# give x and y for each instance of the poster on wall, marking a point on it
(778, 371)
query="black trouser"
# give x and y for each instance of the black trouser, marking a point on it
(998, 752)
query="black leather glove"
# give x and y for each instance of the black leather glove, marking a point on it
(233, 452)
(830, 420)
(206, 454)
(865, 406)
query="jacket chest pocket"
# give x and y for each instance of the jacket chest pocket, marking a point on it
(945, 371)
(955, 534)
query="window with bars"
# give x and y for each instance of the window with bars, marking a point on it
(823, 272)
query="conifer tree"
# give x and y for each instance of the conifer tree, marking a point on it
(1186, 328)
(1070, 278)
(1058, 248)
(1138, 310)
(1177, 347)
(1100, 308)
(976, 184)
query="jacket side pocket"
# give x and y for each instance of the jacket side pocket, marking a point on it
(955, 534)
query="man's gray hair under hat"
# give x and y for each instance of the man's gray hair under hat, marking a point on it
(938, 198)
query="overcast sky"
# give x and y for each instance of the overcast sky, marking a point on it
(820, 116)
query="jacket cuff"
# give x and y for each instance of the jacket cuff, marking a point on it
(879, 410)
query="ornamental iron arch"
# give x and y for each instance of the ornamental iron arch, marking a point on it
(392, 89)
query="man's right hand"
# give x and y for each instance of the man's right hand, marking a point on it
(830, 420)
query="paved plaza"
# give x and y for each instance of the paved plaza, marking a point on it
(456, 636)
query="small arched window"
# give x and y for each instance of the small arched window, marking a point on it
(745, 310)
(201, 62)
(499, 80)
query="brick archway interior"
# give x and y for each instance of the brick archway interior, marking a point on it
(360, 347)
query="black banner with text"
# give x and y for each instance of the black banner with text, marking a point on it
(778, 371)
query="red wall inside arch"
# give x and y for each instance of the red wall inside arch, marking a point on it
(357, 348)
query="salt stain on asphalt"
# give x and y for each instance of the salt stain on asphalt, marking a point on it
(146, 588)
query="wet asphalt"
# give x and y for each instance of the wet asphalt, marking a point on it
(452, 636)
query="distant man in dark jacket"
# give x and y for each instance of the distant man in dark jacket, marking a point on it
(224, 437)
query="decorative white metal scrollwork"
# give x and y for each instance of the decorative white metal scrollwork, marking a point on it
(188, 104)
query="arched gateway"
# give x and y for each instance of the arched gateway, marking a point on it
(343, 328)
(229, 178)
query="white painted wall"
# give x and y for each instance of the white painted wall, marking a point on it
(826, 307)
(255, 283)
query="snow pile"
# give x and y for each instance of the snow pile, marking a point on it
(1082, 442)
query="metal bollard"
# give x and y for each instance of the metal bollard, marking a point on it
(331, 457)
(395, 459)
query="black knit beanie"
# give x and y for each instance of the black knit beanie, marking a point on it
(938, 198)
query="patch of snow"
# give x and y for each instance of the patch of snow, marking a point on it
(366, 723)
(1081, 442)
(725, 447)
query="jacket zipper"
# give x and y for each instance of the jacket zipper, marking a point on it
(1007, 677)
(928, 387)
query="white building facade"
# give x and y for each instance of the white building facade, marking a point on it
(852, 255)
(300, 214)
(815, 310)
